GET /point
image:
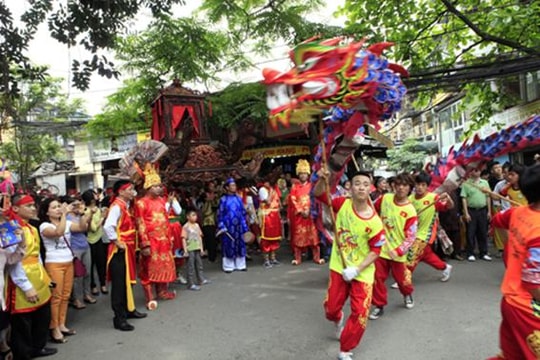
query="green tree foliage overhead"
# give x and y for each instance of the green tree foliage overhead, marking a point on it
(183, 48)
(264, 22)
(90, 23)
(44, 112)
(438, 39)
(126, 111)
(406, 157)
(238, 102)
(196, 51)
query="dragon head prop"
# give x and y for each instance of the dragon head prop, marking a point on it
(328, 73)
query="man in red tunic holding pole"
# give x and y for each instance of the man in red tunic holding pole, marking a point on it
(304, 234)
(157, 262)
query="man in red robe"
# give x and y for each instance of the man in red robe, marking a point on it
(157, 262)
(120, 229)
(270, 223)
(304, 234)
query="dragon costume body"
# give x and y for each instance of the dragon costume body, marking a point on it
(350, 85)
(353, 86)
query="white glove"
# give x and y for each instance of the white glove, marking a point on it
(350, 273)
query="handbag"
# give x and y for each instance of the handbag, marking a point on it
(79, 270)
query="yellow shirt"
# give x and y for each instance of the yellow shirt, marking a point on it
(357, 237)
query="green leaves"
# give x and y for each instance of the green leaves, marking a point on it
(238, 102)
(407, 157)
(39, 114)
(438, 40)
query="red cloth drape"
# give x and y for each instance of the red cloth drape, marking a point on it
(178, 112)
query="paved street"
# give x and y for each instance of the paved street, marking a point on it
(277, 314)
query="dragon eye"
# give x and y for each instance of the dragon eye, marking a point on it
(308, 64)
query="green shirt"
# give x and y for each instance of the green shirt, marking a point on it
(95, 230)
(476, 199)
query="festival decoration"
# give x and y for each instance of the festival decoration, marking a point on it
(330, 72)
(473, 153)
(350, 85)
(140, 159)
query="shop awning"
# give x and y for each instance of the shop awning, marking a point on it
(277, 151)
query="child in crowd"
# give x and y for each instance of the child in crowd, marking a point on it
(519, 334)
(193, 247)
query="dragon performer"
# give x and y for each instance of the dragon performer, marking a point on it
(351, 85)
(358, 88)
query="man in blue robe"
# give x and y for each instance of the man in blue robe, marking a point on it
(232, 226)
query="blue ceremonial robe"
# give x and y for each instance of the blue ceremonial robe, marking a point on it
(232, 217)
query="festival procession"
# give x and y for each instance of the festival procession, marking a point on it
(270, 180)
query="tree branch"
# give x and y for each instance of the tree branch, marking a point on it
(467, 49)
(430, 24)
(486, 36)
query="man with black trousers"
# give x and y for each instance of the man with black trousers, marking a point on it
(477, 213)
(120, 229)
(29, 289)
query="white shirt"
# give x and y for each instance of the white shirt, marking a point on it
(56, 249)
(111, 222)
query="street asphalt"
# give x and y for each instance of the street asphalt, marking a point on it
(277, 313)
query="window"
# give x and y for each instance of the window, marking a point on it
(532, 86)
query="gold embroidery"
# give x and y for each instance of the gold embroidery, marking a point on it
(533, 341)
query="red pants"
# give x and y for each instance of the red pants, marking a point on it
(519, 334)
(401, 274)
(268, 246)
(424, 252)
(338, 292)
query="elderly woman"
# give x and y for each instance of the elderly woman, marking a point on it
(56, 232)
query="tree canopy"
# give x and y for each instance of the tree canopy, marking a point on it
(449, 46)
(407, 157)
(44, 113)
(196, 51)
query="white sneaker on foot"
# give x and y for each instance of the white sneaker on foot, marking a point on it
(394, 285)
(339, 326)
(345, 355)
(376, 313)
(471, 258)
(486, 257)
(409, 302)
(446, 273)
(182, 280)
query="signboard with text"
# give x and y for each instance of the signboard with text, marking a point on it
(105, 150)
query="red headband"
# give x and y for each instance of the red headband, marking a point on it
(26, 199)
(124, 187)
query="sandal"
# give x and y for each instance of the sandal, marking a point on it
(95, 291)
(104, 290)
(69, 332)
(61, 340)
(90, 300)
(78, 305)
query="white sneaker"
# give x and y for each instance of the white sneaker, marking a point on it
(486, 257)
(447, 272)
(471, 258)
(394, 285)
(339, 326)
(376, 313)
(409, 302)
(345, 355)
